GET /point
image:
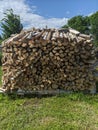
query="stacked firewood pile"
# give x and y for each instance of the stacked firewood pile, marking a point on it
(48, 59)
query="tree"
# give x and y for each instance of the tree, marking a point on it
(86, 25)
(10, 24)
(79, 23)
(65, 26)
(0, 39)
(94, 26)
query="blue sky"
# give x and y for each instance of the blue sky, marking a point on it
(64, 8)
(53, 13)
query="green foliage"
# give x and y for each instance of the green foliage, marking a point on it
(1, 39)
(10, 24)
(80, 23)
(86, 25)
(94, 26)
(65, 26)
(0, 75)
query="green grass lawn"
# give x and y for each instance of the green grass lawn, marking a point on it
(64, 112)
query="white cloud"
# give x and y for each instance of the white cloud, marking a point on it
(91, 13)
(28, 16)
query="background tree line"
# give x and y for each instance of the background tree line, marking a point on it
(85, 24)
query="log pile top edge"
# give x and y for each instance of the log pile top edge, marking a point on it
(49, 35)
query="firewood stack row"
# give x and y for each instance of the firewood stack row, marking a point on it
(48, 59)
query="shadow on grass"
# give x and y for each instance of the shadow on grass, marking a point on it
(15, 96)
(73, 96)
